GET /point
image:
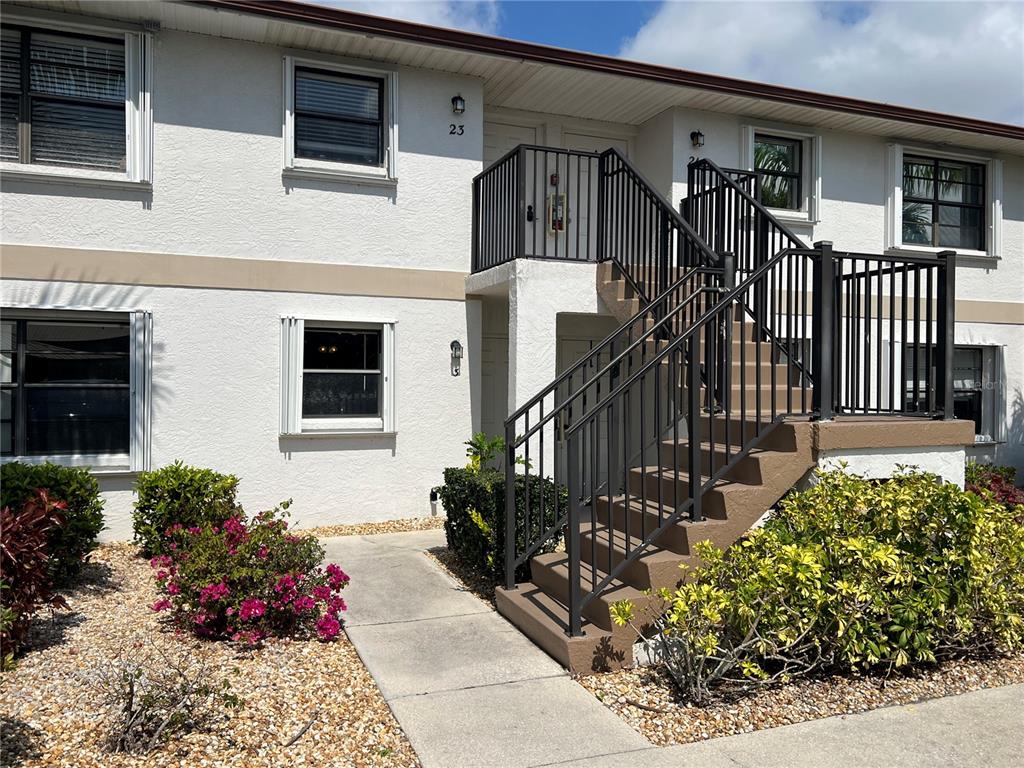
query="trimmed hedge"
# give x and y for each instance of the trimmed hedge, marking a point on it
(69, 543)
(179, 496)
(474, 502)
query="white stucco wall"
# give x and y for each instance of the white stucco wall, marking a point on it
(216, 359)
(946, 461)
(218, 187)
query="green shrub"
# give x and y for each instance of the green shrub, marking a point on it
(474, 503)
(178, 496)
(70, 543)
(850, 574)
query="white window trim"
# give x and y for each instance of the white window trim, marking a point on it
(810, 171)
(140, 380)
(138, 113)
(292, 424)
(384, 175)
(894, 201)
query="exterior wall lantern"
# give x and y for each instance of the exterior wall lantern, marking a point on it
(696, 139)
(458, 104)
(456, 357)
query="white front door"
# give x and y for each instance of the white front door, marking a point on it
(494, 384)
(499, 138)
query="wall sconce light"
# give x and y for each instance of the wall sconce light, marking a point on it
(696, 139)
(458, 104)
(456, 358)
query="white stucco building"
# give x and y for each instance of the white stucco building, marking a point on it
(240, 235)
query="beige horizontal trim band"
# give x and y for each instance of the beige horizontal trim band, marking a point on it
(86, 265)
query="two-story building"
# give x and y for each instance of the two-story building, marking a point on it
(247, 235)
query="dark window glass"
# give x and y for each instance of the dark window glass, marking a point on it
(76, 420)
(72, 102)
(943, 203)
(65, 387)
(341, 372)
(338, 117)
(778, 165)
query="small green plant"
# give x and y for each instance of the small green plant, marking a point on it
(850, 574)
(70, 543)
(179, 496)
(482, 450)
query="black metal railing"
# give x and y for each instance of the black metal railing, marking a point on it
(641, 232)
(537, 203)
(745, 326)
(890, 347)
(534, 433)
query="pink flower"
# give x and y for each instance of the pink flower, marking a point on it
(213, 592)
(303, 603)
(328, 627)
(338, 577)
(252, 608)
(336, 605)
(173, 588)
(321, 592)
(161, 561)
(286, 582)
(263, 553)
(162, 575)
(161, 605)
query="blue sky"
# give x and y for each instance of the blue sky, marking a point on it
(955, 56)
(599, 27)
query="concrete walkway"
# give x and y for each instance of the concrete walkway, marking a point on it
(469, 690)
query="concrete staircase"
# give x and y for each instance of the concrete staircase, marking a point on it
(757, 482)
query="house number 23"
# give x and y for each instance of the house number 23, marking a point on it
(456, 130)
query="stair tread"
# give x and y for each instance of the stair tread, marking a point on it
(618, 540)
(616, 589)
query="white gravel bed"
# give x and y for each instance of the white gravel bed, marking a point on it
(50, 714)
(403, 525)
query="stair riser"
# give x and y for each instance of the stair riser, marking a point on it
(642, 573)
(747, 471)
(555, 582)
(680, 537)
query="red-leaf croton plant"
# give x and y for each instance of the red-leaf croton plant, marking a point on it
(245, 580)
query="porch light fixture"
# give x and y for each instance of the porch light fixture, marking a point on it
(458, 104)
(696, 139)
(456, 357)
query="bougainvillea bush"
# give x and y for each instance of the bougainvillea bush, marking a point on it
(245, 580)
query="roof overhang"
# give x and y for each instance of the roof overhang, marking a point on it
(528, 76)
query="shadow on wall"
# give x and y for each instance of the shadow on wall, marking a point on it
(333, 443)
(51, 188)
(1013, 451)
(86, 295)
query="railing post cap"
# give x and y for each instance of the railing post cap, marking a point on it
(822, 243)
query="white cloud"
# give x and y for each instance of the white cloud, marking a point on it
(957, 57)
(469, 15)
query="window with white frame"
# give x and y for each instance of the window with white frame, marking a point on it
(977, 386)
(336, 377)
(788, 167)
(340, 120)
(939, 200)
(74, 387)
(75, 102)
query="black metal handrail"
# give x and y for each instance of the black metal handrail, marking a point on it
(650, 242)
(542, 420)
(725, 210)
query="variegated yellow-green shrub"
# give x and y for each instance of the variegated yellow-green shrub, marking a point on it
(850, 574)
